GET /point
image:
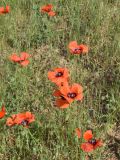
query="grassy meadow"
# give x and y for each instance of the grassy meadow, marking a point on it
(95, 23)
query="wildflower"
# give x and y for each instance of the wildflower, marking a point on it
(22, 59)
(71, 93)
(48, 9)
(58, 76)
(91, 143)
(21, 119)
(2, 112)
(77, 49)
(78, 132)
(4, 10)
(67, 94)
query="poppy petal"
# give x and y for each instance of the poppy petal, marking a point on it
(88, 135)
(7, 9)
(77, 88)
(65, 89)
(79, 97)
(72, 45)
(24, 56)
(70, 100)
(84, 48)
(87, 147)
(1, 10)
(57, 93)
(60, 69)
(51, 75)
(2, 112)
(99, 143)
(60, 82)
(62, 103)
(15, 58)
(30, 117)
(9, 122)
(25, 63)
(78, 132)
(51, 13)
(46, 8)
(19, 118)
(28, 114)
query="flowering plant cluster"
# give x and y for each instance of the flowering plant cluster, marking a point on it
(65, 93)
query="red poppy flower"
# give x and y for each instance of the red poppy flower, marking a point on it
(2, 112)
(4, 10)
(78, 132)
(22, 59)
(21, 119)
(68, 94)
(59, 76)
(48, 9)
(71, 93)
(77, 49)
(91, 143)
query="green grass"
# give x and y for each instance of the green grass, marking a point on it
(51, 137)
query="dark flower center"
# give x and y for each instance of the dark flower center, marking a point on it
(62, 98)
(71, 95)
(59, 74)
(92, 141)
(24, 122)
(77, 49)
